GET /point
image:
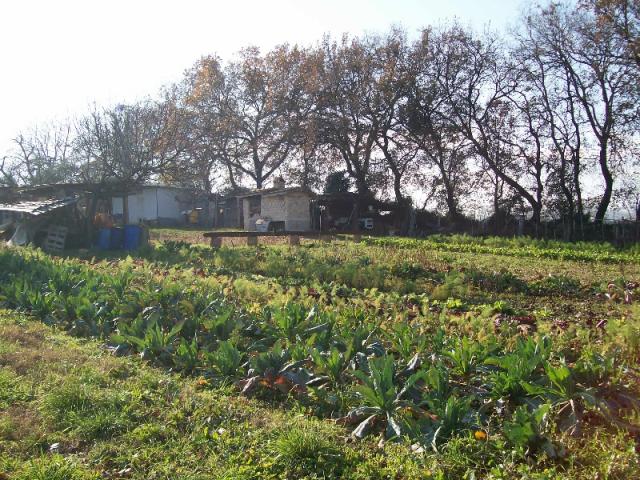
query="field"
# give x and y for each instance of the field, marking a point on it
(449, 357)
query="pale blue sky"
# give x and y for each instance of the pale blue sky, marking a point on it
(57, 57)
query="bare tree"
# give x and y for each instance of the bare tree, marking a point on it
(129, 144)
(262, 109)
(444, 151)
(477, 83)
(346, 125)
(7, 170)
(623, 17)
(600, 85)
(392, 80)
(43, 155)
(558, 109)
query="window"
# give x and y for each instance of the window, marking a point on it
(254, 205)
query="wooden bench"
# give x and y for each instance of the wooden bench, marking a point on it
(294, 236)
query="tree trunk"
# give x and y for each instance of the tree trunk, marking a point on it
(361, 186)
(603, 205)
(579, 205)
(452, 207)
(452, 204)
(257, 167)
(355, 214)
(535, 217)
(568, 232)
(397, 191)
(392, 165)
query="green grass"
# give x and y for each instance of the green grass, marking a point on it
(108, 415)
(323, 361)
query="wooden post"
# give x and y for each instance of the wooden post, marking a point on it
(357, 237)
(294, 240)
(125, 209)
(93, 205)
(216, 242)
(252, 241)
(325, 238)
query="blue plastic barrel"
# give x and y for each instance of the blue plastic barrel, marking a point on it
(132, 234)
(104, 238)
(117, 238)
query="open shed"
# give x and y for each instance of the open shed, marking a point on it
(43, 221)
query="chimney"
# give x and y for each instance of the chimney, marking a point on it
(278, 182)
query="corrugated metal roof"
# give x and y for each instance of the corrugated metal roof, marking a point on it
(37, 207)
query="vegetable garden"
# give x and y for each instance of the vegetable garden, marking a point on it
(436, 348)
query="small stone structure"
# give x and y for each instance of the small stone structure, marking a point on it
(288, 208)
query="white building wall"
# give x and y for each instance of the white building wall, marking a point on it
(249, 221)
(297, 213)
(151, 203)
(148, 208)
(292, 208)
(273, 207)
(167, 204)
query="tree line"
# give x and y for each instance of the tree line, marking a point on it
(541, 119)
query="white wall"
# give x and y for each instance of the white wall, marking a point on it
(151, 203)
(297, 213)
(168, 206)
(249, 221)
(292, 208)
(273, 206)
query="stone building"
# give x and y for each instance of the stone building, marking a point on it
(283, 208)
(275, 208)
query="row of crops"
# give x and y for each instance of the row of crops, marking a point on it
(433, 376)
(518, 247)
(365, 268)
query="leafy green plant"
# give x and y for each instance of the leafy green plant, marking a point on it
(219, 324)
(452, 416)
(292, 321)
(517, 369)
(383, 400)
(527, 431)
(453, 286)
(564, 394)
(331, 363)
(438, 388)
(408, 339)
(225, 360)
(500, 306)
(275, 371)
(186, 356)
(156, 342)
(465, 356)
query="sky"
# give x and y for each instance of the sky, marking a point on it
(59, 57)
